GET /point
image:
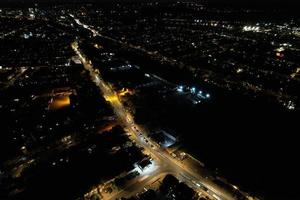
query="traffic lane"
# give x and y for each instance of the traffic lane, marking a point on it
(179, 167)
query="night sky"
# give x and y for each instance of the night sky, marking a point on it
(290, 5)
(257, 2)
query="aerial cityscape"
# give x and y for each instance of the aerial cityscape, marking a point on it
(149, 100)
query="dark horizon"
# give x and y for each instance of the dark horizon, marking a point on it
(271, 3)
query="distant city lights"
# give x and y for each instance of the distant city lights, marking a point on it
(251, 28)
(193, 93)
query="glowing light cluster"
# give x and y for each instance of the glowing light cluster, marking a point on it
(251, 28)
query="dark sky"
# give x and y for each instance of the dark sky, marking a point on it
(262, 3)
(220, 1)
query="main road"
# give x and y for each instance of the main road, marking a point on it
(164, 162)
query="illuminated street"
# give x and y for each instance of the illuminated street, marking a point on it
(167, 163)
(149, 99)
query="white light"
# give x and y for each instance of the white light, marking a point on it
(180, 88)
(239, 70)
(148, 169)
(193, 90)
(207, 95)
(251, 28)
(291, 105)
(280, 49)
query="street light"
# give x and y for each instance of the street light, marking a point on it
(193, 90)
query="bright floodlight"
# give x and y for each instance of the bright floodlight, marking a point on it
(207, 95)
(180, 88)
(147, 170)
(193, 89)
